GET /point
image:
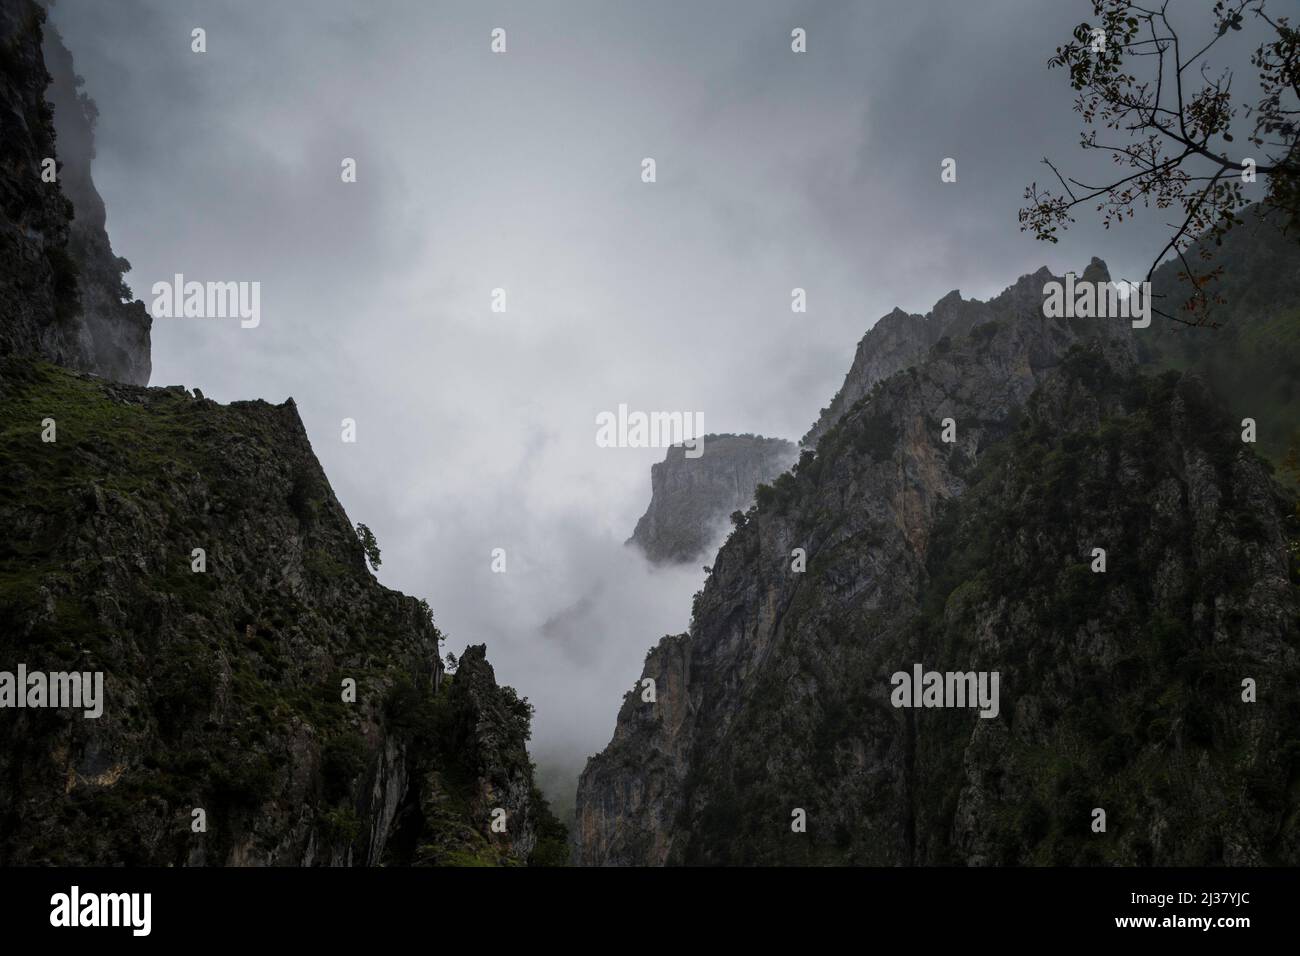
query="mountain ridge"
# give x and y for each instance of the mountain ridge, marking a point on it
(778, 698)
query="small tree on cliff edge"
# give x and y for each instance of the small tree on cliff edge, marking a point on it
(369, 545)
(1172, 131)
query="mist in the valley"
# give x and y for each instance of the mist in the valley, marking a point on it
(522, 172)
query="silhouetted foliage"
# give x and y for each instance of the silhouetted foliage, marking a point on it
(1172, 141)
(370, 545)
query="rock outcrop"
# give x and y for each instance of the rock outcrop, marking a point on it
(482, 771)
(62, 296)
(691, 498)
(1120, 690)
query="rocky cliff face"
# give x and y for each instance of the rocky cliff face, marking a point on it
(264, 699)
(62, 297)
(692, 497)
(115, 328)
(38, 288)
(1120, 690)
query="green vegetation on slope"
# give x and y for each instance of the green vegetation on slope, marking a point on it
(224, 687)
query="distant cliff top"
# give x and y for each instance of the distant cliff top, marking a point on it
(692, 497)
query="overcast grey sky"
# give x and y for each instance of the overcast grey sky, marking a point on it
(522, 171)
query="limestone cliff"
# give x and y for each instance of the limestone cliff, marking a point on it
(691, 497)
(900, 340)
